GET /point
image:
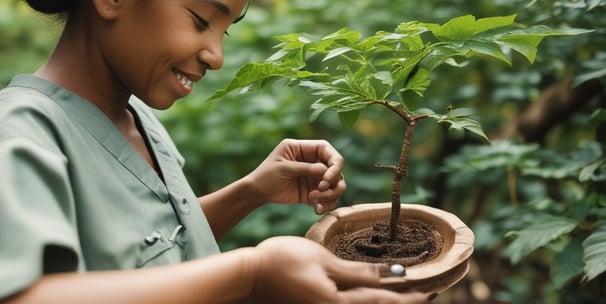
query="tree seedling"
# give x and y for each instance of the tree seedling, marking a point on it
(393, 69)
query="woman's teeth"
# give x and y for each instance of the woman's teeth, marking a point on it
(184, 81)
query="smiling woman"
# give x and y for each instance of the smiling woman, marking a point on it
(94, 184)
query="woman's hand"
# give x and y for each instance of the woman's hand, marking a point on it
(297, 270)
(301, 171)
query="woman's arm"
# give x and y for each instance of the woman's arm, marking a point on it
(296, 171)
(226, 207)
(279, 270)
(217, 279)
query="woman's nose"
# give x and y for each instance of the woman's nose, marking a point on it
(212, 55)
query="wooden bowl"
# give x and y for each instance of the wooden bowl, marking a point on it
(434, 276)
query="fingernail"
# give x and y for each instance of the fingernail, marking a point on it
(319, 209)
(432, 297)
(323, 185)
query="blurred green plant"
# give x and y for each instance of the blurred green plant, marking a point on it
(565, 228)
(26, 40)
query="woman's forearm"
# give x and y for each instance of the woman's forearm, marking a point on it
(223, 278)
(228, 206)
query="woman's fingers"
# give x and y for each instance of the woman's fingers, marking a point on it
(360, 283)
(323, 201)
(375, 296)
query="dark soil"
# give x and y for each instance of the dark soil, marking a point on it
(416, 242)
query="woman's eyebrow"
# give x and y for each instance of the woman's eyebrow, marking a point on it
(219, 5)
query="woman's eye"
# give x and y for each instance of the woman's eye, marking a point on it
(200, 23)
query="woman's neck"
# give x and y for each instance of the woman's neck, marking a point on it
(77, 65)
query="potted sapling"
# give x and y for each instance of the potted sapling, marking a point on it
(348, 73)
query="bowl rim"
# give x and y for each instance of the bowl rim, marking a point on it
(452, 256)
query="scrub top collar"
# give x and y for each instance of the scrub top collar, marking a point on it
(104, 131)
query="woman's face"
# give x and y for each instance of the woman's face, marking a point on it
(158, 49)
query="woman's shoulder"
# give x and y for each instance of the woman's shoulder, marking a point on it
(26, 110)
(26, 92)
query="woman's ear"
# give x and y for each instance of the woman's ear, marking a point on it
(108, 9)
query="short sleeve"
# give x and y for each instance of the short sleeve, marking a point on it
(37, 234)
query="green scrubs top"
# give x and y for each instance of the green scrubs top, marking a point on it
(76, 196)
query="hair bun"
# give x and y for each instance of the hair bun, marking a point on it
(52, 6)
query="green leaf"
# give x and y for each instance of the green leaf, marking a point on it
(443, 53)
(383, 83)
(545, 31)
(407, 66)
(599, 114)
(461, 123)
(414, 28)
(460, 28)
(567, 263)
(527, 46)
(544, 230)
(291, 41)
(384, 77)
(485, 24)
(601, 73)
(471, 126)
(595, 253)
(345, 35)
(465, 27)
(349, 118)
(256, 72)
(428, 112)
(419, 82)
(336, 52)
(525, 41)
(487, 48)
(595, 171)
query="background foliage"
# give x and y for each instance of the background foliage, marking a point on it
(535, 198)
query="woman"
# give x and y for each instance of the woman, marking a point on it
(95, 207)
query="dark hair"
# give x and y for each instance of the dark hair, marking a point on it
(53, 7)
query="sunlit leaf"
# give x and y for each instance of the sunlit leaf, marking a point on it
(337, 52)
(347, 35)
(525, 41)
(489, 23)
(527, 46)
(595, 253)
(459, 28)
(545, 31)
(291, 41)
(487, 48)
(464, 27)
(595, 171)
(255, 72)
